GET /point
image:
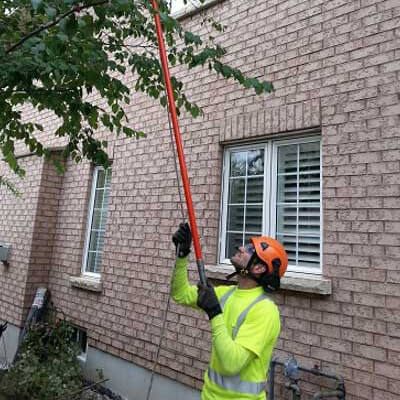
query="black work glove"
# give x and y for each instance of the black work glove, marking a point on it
(182, 240)
(208, 300)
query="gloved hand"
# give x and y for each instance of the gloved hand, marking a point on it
(207, 300)
(182, 240)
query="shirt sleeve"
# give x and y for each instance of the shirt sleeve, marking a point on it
(181, 290)
(261, 326)
(232, 356)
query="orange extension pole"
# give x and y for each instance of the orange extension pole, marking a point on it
(178, 140)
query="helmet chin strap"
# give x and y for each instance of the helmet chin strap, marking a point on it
(246, 271)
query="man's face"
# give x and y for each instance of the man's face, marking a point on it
(242, 257)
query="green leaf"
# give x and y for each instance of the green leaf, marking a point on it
(36, 4)
(51, 12)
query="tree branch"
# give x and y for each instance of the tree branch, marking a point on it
(53, 23)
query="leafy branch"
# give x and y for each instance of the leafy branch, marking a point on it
(53, 23)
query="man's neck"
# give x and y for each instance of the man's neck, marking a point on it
(246, 283)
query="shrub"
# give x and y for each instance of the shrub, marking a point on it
(48, 367)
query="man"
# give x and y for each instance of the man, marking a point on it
(244, 322)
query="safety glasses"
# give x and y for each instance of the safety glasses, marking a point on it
(249, 248)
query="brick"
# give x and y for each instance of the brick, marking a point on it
(359, 363)
(357, 336)
(387, 370)
(358, 391)
(387, 342)
(370, 352)
(325, 330)
(383, 395)
(340, 346)
(337, 320)
(372, 275)
(354, 285)
(324, 354)
(374, 300)
(370, 379)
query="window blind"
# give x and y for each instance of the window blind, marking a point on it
(298, 202)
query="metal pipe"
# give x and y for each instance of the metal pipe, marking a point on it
(339, 393)
(330, 393)
(271, 379)
(179, 147)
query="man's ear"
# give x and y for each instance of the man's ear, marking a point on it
(259, 268)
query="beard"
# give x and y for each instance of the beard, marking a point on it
(237, 265)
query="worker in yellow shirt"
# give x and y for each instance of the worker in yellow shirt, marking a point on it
(244, 322)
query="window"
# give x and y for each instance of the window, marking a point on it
(178, 7)
(97, 221)
(79, 336)
(274, 189)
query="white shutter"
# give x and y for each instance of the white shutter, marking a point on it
(298, 202)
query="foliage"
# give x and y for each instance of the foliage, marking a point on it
(55, 53)
(10, 186)
(48, 368)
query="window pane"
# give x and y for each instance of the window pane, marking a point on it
(178, 5)
(101, 178)
(309, 188)
(235, 218)
(91, 263)
(98, 221)
(94, 262)
(255, 189)
(255, 162)
(238, 163)
(289, 243)
(309, 220)
(309, 251)
(96, 240)
(254, 219)
(298, 226)
(98, 200)
(246, 191)
(309, 154)
(287, 189)
(108, 178)
(287, 159)
(286, 220)
(237, 187)
(233, 241)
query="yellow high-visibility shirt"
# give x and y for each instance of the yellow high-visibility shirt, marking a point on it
(249, 354)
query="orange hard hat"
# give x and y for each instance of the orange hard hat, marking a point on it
(272, 253)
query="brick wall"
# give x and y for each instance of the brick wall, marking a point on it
(27, 223)
(335, 66)
(16, 228)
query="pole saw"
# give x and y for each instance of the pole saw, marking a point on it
(179, 147)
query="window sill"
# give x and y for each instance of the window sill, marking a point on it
(293, 281)
(190, 9)
(86, 283)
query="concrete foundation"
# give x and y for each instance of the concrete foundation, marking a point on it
(132, 382)
(9, 344)
(126, 379)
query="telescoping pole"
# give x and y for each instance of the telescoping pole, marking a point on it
(179, 147)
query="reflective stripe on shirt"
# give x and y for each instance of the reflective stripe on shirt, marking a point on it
(225, 297)
(235, 384)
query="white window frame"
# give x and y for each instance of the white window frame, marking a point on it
(269, 197)
(78, 334)
(95, 275)
(189, 7)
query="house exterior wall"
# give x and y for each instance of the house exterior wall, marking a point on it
(336, 69)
